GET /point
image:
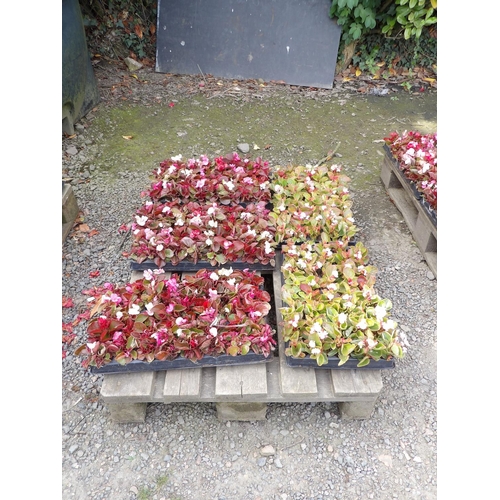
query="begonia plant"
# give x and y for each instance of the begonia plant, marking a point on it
(312, 203)
(332, 310)
(211, 313)
(174, 231)
(225, 179)
(416, 155)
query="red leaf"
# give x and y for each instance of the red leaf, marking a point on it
(94, 274)
(67, 327)
(67, 302)
(171, 104)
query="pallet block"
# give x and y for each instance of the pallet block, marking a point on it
(419, 223)
(241, 392)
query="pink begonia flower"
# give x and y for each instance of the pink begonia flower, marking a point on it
(204, 160)
(108, 286)
(212, 293)
(180, 321)
(170, 308)
(115, 298)
(117, 335)
(200, 183)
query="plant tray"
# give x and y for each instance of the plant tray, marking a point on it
(419, 217)
(333, 363)
(201, 264)
(182, 363)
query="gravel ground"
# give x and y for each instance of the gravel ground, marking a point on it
(301, 451)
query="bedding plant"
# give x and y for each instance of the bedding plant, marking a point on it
(416, 155)
(211, 313)
(311, 203)
(332, 309)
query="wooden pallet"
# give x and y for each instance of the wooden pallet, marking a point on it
(421, 226)
(241, 392)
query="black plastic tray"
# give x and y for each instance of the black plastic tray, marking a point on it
(182, 363)
(333, 364)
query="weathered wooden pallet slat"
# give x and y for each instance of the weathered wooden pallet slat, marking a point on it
(419, 223)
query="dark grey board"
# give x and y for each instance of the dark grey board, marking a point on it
(294, 41)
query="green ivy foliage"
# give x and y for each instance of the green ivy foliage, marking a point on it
(120, 27)
(376, 25)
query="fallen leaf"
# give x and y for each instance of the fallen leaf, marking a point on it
(220, 83)
(67, 302)
(127, 137)
(67, 339)
(256, 147)
(358, 72)
(267, 146)
(67, 327)
(171, 104)
(94, 274)
(64, 354)
(84, 228)
(93, 232)
(135, 76)
(430, 80)
(71, 136)
(138, 30)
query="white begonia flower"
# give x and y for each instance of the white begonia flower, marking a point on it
(362, 325)
(214, 276)
(342, 317)
(208, 242)
(166, 209)
(278, 189)
(141, 220)
(380, 312)
(225, 272)
(159, 247)
(282, 207)
(229, 185)
(263, 185)
(371, 343)
(196, 220)
(211, 211)
(267, 247)
(176, 158)
(213, 331)
(119, 314)
(149, 307)
(312, 343)
(179, 222)
(315, 350)
(212, 223)
(389, 324)
(134, 310)
(231, 281)
(301, 263)
(91, 345)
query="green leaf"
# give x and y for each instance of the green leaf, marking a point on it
(322, 359)
(221, 259)
(232, 350)
(363, 362)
